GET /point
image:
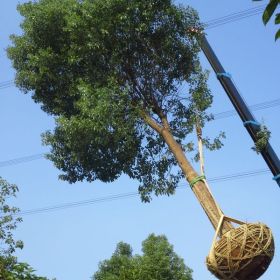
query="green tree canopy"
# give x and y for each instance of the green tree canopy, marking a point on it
(110, 71)
(158, 262)
(120, 266)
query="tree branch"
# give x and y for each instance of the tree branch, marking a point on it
(151, 122)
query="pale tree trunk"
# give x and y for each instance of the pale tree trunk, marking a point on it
(200, 189)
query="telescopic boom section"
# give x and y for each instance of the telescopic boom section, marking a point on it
(240, 106)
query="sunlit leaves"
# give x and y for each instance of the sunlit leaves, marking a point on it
(158, 262)
(17, 271)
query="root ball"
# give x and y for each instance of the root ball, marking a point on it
(243, 253)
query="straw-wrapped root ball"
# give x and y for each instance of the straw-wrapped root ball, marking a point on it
(243, 253)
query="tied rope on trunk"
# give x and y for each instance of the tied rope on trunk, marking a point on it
(197, 179)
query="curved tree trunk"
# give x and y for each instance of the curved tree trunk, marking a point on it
(201, 191)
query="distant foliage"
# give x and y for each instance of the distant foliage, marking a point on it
(8, 219)
(10, 269)
(18, 271)
(158, 262)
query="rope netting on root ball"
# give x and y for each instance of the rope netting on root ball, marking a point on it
(237, 253)
(242, 253)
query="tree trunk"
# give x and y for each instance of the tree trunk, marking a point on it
(201, 191)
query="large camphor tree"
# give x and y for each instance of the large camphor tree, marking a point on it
(111, 72)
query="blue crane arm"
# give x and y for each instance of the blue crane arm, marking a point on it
(240, 106)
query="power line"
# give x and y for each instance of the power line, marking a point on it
(234, 14)
(234, 17)
(78, 203)
(109, 198)
(20, 160)
(239, 175)
(6, 84)
(255, 107)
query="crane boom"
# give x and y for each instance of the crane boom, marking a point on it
(240, 106)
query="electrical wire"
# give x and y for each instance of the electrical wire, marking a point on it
(255, 107)
(234, 17)
(6, 84)
(20, 160)
(108, 198)
(78, 203)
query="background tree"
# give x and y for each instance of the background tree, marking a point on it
(158, 262)
(110, 71)
(269, 11)
(18, 271)
(10, 269)
(120, 266)
(8, 223)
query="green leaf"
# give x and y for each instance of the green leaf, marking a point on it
(277, 35)
(270, 9)
(277, 18)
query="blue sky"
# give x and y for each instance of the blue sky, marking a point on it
(69, 243)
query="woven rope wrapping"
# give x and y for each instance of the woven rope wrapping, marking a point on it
(243, 253)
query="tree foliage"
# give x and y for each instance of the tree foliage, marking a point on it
(111, 72)
(262, 138)
(8, 220)
(268, 13)
(10, 268)
(158, 262)
(17, 271)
